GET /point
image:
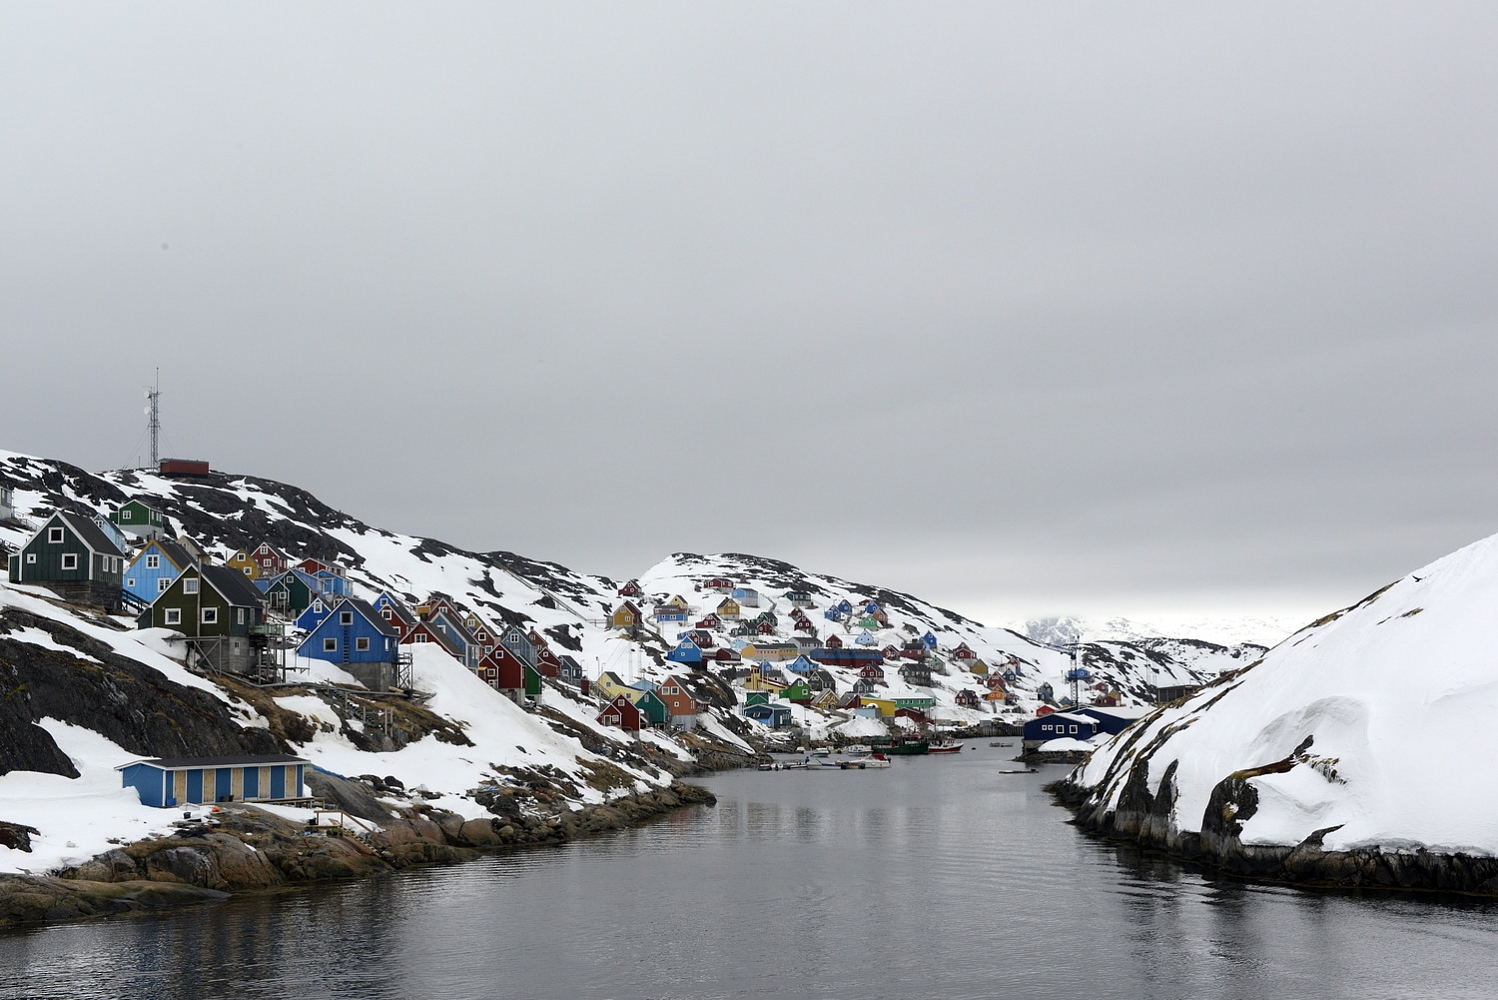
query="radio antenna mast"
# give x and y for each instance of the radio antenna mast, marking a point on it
(153, 411)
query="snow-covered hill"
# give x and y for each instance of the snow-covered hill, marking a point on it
(1370, 730)
(467, 734)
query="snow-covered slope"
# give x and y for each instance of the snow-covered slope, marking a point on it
(1374, 725)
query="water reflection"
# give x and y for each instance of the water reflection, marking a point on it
(936, 878)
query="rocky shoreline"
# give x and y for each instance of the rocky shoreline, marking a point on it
(1144, 819)
(253, 849)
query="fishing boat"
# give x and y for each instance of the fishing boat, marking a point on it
(945, 746)
(858, 750)
(821, 752)
(904, 747)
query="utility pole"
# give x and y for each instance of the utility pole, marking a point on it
(153, 411)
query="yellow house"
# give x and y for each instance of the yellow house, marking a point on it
(728, 608)
(242, 563)
(826, 700)
(775, 652)
(626, 615)
(757, 681)
(677, 601)
(610, 686)
(978, 667)
(886, 706)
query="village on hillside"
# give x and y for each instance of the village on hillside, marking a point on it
(686, 657)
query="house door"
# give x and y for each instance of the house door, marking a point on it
(179, 787)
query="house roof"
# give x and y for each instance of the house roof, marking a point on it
(234, 586)
(398, 610)
(367, 610)
(175, 762)
(90, 533)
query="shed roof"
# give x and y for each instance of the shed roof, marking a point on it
(233, 585)
(258, 759)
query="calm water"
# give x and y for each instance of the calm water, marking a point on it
(936, 878)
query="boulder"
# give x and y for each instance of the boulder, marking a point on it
(350, 796)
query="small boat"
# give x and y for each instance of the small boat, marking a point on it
(877, 760)
(1023, 770)
(858, 750)
(852, 765)
(821, 752)
(1001, 744)
(784, 765)
(945, 746)
(905, 748)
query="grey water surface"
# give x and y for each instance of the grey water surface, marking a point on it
(936, 878)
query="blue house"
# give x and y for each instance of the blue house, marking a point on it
(1056, 725)
(156, 568)
(332, 584)
(866, 639)
(802, 664)
(518, 642)
(687, 652)
(1113, 720)
(773, 716)
(929, 640)
(179, 781)
(832, 614)
(669, 613)
(355, 637)
(314, 615)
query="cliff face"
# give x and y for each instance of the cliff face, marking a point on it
(1359, 751)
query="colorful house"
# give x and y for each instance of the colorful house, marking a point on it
(774, 652)
(625, 616)
(798, 693)
(631, 589)
(610, 686)
(155, 568)
(802, 664)
(1056, 725)
(866, 639)
(833, 642)
(451, 626)
(621, 713)
(963, 654)
(670, 613)
(772, 716)
(570, 671)
(240, 562)
(509, 675)
(425, 632)
(271, 560)
(400, 617)
(357, 639)
(515, 639)
(313, 616)
(967, 698)
(681, 708)
(747, 597)
(687, 652)
(709, 621)
(219, 611)
(73, 558)
(728, 609)
(719, 584)
(800, 598)
(169, 782)
(137, 518)
(653, 710)
(292, 592)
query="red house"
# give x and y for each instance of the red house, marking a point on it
(271, 560)
(424, 632)
(313, 567)
(872, 672)
(913, 714)
(703, 638)
(710, 621)
(833, 642)
(967, 698)
(806, 626)
(621, 713)
(504, 672)
(726, 655)
(963, 654)
(631, 589)
(764, 628)
(719, 583)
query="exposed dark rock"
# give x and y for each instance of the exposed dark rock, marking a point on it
(352, 797)
(17, 836)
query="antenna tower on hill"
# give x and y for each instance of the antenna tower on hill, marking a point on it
(153, 411)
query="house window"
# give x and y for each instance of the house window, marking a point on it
(190, 586)
(70, 560)
(239, 616)
(248, 571)
(162, 584)
(362, 644)
(126, 515)
(153, 562)
(1073, 728)
(345, 618)
(421, 637)
(330, 645)
(210, 616)
(174, 616)
(54, 536)
(30, 558)
(130, 582)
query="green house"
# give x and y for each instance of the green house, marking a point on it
(292, 592)
(71, 556)
(138, 519)
(799, 692)
(920, 703)
(653, 708)
(532, 681)
(219, 611)
(756, 698)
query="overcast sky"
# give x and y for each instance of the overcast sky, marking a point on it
(1043, 308)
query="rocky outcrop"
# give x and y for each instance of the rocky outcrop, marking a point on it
(123, 700)
(30, 898)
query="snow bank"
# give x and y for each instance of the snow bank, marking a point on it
(1398, 695)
